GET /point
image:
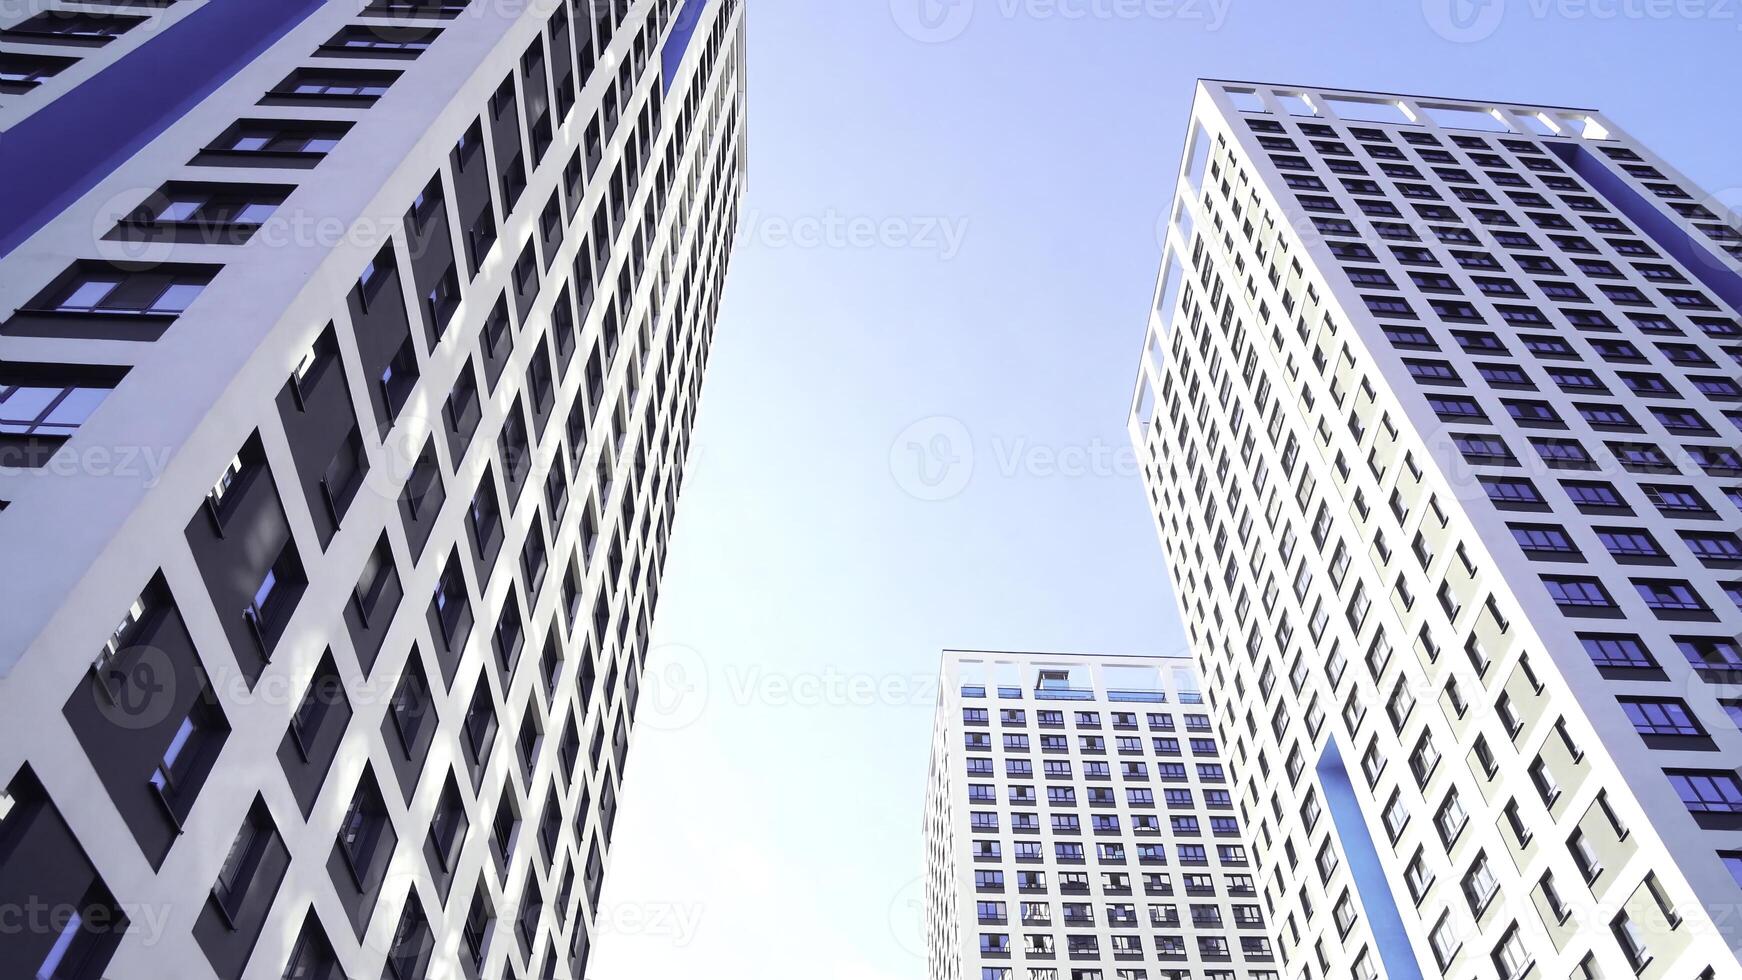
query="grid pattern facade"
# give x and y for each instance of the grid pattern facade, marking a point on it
(413, 330)
(1437, 414)
(1079, 826)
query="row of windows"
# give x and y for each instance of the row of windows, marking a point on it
(1108, 823)
(1119, 973)
(1532, 154)
(1124, 720)
(70, 35)
(1071, 852)
(1197, 884)
(1097, 795)
(1572, 380)
(1115, 914)
(1126, 946)
(1060, 769)
(1090, 744)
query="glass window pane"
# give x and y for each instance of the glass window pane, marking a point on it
(21, 407)
(77, 406)
(88, 294)
(176, 298)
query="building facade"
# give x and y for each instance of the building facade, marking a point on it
(1437, 417)
(348, 360)
(1080, 825)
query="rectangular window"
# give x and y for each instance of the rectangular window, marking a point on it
(331, 87)
(1707, 790)
(253, 841)
(1661, 716)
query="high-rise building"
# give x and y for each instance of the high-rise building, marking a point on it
(348, 359)
(1080, 825)
(1438, 417)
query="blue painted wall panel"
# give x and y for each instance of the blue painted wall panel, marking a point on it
(683, 26)
(57, 155)
(1694, 254)
(1379, 898)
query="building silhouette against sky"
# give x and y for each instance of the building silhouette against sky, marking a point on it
(349, 355)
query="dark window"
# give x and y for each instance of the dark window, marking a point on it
(447, 830)
(312, 957)
(480, 726)
(462, 411)
(1661, 716)
(1622, 650)
(1670, 595)
(42, 405)
(100, 288)
(236, 877)
(504, 827)
(509, 635)
(411, 944)
(411, 706)
(325, 691)
(1578, 592)
(417, 9)
(422, 498)
(1543, 540)
(19, 73)
(202, 213)
(364, 828)
(451, 606)
(294, 143)
(331, 87)
(379, 41)
(71, 28)
(187, 760)
(1625, 542)
(275, 598)
(475, 932)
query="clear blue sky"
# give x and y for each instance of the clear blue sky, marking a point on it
(962, 226)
